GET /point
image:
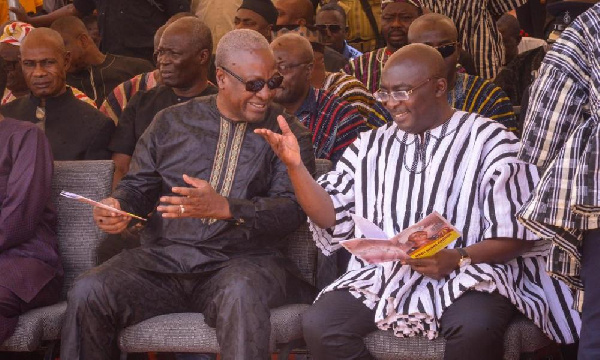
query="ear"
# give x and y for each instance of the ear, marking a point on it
(441, 87)
(84, 40)
(302, 22)
(220, 75)
(309, 68)
(204, 56)
(67, 60)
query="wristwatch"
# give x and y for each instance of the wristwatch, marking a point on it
(465, 259)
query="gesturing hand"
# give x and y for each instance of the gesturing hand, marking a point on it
(20, 12)
(436, 266)
(198, 201)
(108, 221)
(285, 145)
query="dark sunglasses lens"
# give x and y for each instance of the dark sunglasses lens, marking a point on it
(275, 81)
(335, 28)
(447, 50)
(255, 85)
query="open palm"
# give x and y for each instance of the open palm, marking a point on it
(285, 145)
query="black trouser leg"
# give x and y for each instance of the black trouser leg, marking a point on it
(334, 327)
(589, 342)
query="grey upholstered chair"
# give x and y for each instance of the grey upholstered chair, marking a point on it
(78, 239)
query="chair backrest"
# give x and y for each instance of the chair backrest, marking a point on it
(78, 235)
(301, 248)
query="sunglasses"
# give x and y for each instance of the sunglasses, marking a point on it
(257, 85)
(333, 28)
(447, 49)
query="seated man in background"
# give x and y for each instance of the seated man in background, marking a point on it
(465, 92)
(183, 58)
(95, 73)
(31, 271)
(257, 15)
(293, 13)
(10, 42)
(396, 17)
(432, 158)
(331, 22)
(333, 123)
(76, 130)
(226, 205)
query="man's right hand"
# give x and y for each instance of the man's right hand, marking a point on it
(285, 145)
(108, 221)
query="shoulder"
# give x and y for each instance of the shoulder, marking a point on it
(488, 135)
(12, 130)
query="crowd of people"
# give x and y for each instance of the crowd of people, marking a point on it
(214, 115)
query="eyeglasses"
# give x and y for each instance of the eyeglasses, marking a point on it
(400, 95)
(447, 49)
(257, 85)
(333, 28)
(284, 68)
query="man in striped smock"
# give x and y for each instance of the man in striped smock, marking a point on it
(432, 158)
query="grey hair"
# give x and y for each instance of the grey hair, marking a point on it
(200, 33)
(235, 41)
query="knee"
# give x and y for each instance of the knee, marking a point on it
(484, 329)
(85, 287)
(314, 324)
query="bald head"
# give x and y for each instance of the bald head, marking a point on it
(195, 29)
(432, 28)
(298, 12)
(296, 45)
(69, 25)
(422, 59)
(46, 38)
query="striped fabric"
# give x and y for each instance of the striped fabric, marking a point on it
(116, 101)
(334, 123)
(467, 170)
(476, 95)
(561, 136)
(477, 30)
(8, 97)
(368, 68)
(349, 89)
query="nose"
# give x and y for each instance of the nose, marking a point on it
(38, 70)
(265, 93)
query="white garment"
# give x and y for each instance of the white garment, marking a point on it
(466, 170)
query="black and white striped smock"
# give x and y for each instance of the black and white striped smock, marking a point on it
(467, 170)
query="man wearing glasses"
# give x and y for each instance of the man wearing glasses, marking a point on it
(225, 204)
(432, 158)
(465, 92)
(333, 123)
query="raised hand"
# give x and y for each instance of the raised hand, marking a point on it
(198, 201)
(108, 221)
(20, 12)
(285, 145)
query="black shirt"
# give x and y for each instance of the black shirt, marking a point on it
(76, 130)
(127, 27)
(140, 111)
(98, 81)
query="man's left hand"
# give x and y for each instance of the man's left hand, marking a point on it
(437, 266)
(198, 201)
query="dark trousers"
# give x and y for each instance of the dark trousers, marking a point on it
(589, 338)
(235, 299)
(473, 326)
(11, 306)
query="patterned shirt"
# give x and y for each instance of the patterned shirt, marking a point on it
(368, 68)
(466, 169)
(116, 101)
(561, 137)
(349, 89)
(477, 30)
(333, 123)
(474, 94)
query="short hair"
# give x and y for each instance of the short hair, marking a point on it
(50, 36)
(199, 32)
(236, 41)
(511, 26)
(335, 7)
(180, 15)
(71, 25)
